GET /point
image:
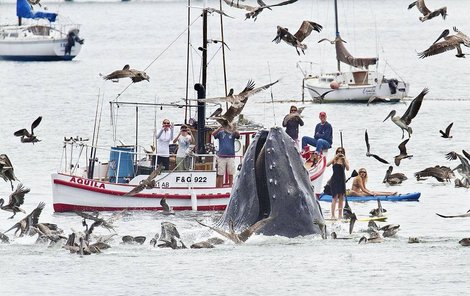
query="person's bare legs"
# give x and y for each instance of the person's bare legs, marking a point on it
(385, 193)
(219, 181)
(340, 206)
(333, 206)
(230, 180)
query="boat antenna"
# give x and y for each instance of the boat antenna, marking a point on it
(90, 160)
(337, 32)
(223, 49)
(188, 48)
(271, 92)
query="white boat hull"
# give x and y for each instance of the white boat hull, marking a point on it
(37, 50)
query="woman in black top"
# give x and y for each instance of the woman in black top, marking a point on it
(338, 181)
(291, 122)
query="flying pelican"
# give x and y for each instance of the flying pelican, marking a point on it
(464, 167)
(253, 11)
(393, 179)
(403, 153)
(26, 136)
(134, 75)
(237, 102)
(6, 170)
(28, 222)
(296, 40)
(428, 14)
(449, 43)
(404, 121)
(368, 154)
(441, 173)
(106, 223)
(467, 214)
(16, 199)
(148, 183)
(446, 134)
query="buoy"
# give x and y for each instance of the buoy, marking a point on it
(334, 85)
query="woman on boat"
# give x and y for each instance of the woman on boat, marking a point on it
(184, 139)
(338, 181)
(359, 186)
(164, 136)
(291, 122)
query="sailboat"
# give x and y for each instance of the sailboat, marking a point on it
(41, 40)
(358, 85)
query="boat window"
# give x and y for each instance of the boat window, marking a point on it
(14, 34)
(40, 30)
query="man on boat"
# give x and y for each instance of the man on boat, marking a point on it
(323, 137)
(225, 155)
(164, 136)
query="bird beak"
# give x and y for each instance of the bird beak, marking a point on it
(388, 116)
(443, 34)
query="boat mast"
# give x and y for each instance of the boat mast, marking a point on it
(337, 32)
(19, 21)
(187, 63)
(223, 49)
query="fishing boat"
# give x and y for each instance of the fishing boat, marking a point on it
(94, 178)
(42, 39)
(359, 85)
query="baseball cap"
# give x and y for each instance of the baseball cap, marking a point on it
(322, 113)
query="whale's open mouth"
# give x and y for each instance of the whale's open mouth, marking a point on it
(261, 178)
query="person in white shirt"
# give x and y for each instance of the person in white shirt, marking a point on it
(184, 139)
(164, 136)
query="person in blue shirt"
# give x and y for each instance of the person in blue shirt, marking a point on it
(323, 138)
(225, 155)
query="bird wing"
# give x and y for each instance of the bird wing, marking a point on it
(422, 7)
(305, 29)
(35, 124)
(22, 132)
(402, 147)
(455, 216)
(249, 92)
(135, 190)
(238, 5)
(280, 3)
(17, 197)
(34, 215)
(448, 128)
(154, 173)
(245, 234)
(216, 99)
(216, 113)
(119, 74)
(366, 136)
(219, 231)
(441, 11)
(414, 107)
(86, 216)
(379, 158)
(451, 43)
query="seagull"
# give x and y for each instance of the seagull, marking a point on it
(296, 40)
(237, 102)
(134, 75)
(428, 14)
(403, 153)
(441, 173)
(6, 170)
(393, 179)
(254, 11)
(31, 220)
(449, 43)
(26, 136)
(467, 214)
(148, 183)
(404, 121)
(368, 154)
(446, 134)
(16, 199)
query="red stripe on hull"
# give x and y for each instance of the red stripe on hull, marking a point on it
(60, 207)
(141, 195)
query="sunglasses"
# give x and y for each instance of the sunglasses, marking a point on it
(363, 173)
(293, 110)
(166, 123)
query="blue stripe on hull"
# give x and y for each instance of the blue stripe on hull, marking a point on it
(37, 58)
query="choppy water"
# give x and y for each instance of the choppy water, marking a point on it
(136, 33)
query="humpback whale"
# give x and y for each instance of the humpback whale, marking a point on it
(274, 184)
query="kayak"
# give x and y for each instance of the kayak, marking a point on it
(413, 196)
(360, 219)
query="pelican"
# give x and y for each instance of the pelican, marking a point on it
(404, 121)
(446, 134)
(134, 75)
(237, 102)
(428, 14)
(465, 242)
(6, 170)
(320, 97)
(106, 223)
(26, 136)
(24, 225)
(393, 179)
(378, 212)
(148, 183)
(254, 11)
(296, 40)
(16, 199)
(374, 237)
(467, 214)
(368, 154)
(449, 43)
(441, 173)
(167, 210)
(403, 153)
(4, 239)
(390, 230)
(464, 167)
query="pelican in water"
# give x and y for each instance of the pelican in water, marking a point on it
(404, 121)
(254, 11)
(446, 134)
(378, 212)
(441, 173)
(390, 230)
(368, 154)
(26, 136)
(134, 75)
(16, 199)
(6, 170)
(403, 154)
(449, 43)
(428, 14)
(167, 210)
(395, 178)
(296, 40)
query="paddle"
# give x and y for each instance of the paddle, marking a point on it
(353, 174)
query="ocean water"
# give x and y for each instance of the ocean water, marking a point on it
(151, 36)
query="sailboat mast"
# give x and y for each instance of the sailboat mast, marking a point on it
(337, 32)
(204, 48)
(223, 48)
(187, 63)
